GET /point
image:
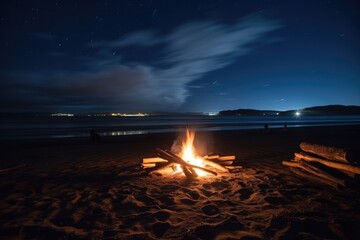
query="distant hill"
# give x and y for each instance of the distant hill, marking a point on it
(319, 110)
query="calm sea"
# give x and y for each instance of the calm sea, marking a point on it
(60, 127)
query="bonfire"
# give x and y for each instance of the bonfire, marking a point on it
(188, 162)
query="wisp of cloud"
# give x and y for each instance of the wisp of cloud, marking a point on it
(109, 84)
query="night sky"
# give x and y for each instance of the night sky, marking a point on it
(131, 56)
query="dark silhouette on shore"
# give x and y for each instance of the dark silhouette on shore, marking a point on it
(95, 137)
(266, 127)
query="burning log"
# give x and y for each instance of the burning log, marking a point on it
(331, 153)
(315, 171)
(211, 157)
(168, 159)
(148, 165)
(153, 160)
(176, 159)
(216, 165)
(337, 165)
(187, 172)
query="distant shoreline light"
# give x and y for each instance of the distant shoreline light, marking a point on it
(129, 114)
(211, 113)
(62, 115)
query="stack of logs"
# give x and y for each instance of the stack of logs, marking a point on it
(330, 165)
(167, 159)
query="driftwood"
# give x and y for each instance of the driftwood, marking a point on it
(315, 171)
(312, 177)
(331, 153)
(337, 165)
(349, 174)
(176, 159)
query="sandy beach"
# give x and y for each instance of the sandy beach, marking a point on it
(78, 189)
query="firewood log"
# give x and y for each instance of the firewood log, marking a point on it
(226, 163)
(215, 165)
(176, 159)
(314, 170)
(187, 172)
(233, 167)
(209, 157)
(312, 177)
(331, 153)
(159, 166)
(153, 160)
(226, 158)
(337, 165)
(349, 174)
(148, 165)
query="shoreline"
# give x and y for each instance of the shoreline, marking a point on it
(61, 128)
(165, 131)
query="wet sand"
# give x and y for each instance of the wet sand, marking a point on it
(77, 189)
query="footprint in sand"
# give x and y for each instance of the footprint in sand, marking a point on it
(207, 193)
(159, 228)
(194, 195)
(245, 193)
(167, 200)
(210, 210)
(169, 188)
(162, 215)
(187, 201)
(213, 231)
(220, 185)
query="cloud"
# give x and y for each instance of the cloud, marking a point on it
(117, 83)
(139, 39)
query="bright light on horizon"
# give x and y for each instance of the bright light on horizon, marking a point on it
(297, 113)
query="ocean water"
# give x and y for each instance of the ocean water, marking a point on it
(61, 127)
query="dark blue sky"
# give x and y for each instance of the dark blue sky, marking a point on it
(90, 56)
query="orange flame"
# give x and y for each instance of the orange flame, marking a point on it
(188, 153)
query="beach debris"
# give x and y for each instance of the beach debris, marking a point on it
(310, 168)
(331, 153)
(330, 165)
(188, 162)
(340, 166)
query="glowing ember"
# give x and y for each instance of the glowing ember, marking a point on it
(188, 153)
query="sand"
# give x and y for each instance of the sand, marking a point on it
(76, 189)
